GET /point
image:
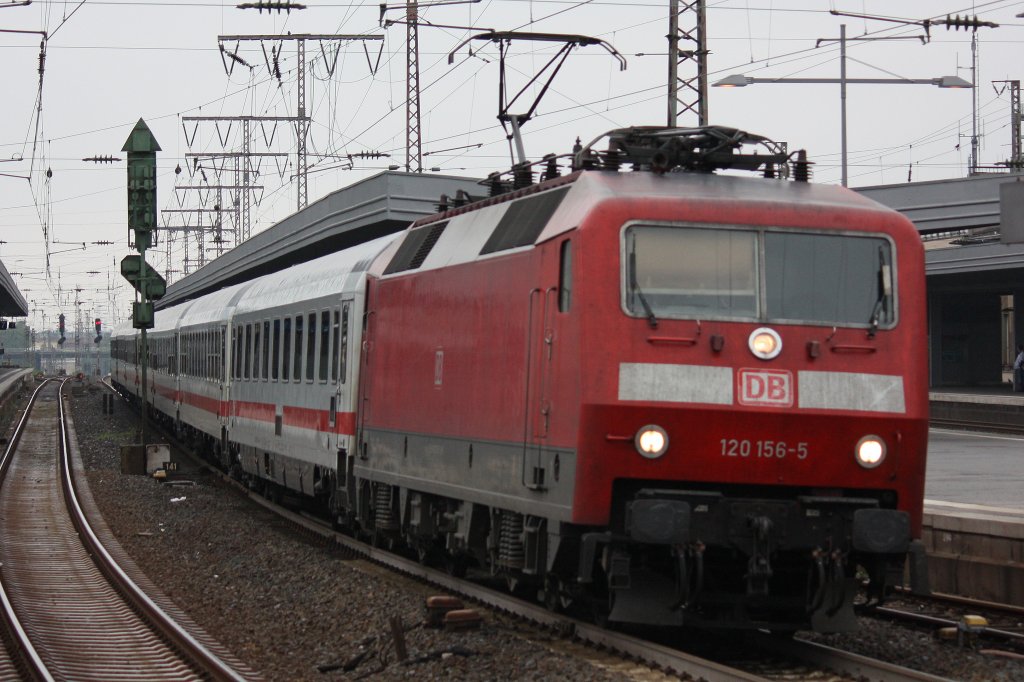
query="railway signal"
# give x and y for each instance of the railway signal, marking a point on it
(99, 330)
(60, 328)
(142, 147)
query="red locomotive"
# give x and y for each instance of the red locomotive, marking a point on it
(670, 395)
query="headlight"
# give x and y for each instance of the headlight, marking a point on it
(765, 343)
(651, 441)
(870, 451)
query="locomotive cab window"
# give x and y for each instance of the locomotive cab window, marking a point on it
(565, 277)
(767, 275)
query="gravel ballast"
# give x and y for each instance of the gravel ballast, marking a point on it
(295, 608)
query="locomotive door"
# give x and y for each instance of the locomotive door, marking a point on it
(540, 348)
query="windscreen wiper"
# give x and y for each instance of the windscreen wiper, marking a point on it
(651, 319)
(884, 292)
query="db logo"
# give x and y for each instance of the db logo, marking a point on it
(766, 387)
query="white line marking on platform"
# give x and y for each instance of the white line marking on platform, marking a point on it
(973, 507)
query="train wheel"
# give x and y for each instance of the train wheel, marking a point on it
(556, 598)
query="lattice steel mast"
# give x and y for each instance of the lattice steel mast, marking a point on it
(687, 62)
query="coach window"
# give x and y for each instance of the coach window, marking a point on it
(266, 350)
(286, 352)
(335, 344)
(343, 358)
(325, 343)
(565, 277)
(297, 373)
(256, 348)
(239, 351)
(310, 345)
(276, 362)
(247, 361)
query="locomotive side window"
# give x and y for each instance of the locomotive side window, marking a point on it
(298, 348)
(325, 343)
(286, 351)
(824, 278)
(565, 277)
(310, 345)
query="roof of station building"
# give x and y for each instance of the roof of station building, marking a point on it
(12, 302)
(383, 204)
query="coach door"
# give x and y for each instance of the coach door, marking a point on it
(341, 417)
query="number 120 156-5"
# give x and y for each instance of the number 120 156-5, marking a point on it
(740, 447)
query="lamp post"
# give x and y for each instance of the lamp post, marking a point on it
(739, 81)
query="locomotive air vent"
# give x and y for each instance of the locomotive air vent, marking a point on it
(416, 247)
(524, 220)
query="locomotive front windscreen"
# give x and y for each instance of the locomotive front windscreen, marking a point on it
(760, 275)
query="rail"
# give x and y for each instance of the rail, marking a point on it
(181, 639)
(57, 536)
(30, 660)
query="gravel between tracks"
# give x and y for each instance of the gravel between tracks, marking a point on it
(284, 604)
(287, 605)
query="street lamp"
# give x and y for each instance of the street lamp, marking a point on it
(739, 81)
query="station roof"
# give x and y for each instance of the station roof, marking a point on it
(12, 302)
(951, 205)
(379, 205)
(967, 247)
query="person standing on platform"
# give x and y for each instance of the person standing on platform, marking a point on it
(1018, 370)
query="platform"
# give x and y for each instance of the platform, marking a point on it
(996, 405)
(974, 513)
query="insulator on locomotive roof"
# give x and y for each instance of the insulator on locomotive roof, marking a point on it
(461, 198)
(551, 170)
(442, 205)
(495, 186)
(612, 160)
(769, 170)
(802, 167)
(522, 175)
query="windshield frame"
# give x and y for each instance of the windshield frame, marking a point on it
(625, 276)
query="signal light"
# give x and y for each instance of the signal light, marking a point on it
(99, 330)
(60, 328)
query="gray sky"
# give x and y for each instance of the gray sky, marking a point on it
(110, 62)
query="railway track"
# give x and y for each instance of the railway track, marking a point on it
(968, 425)
(69, 610)
(758, 658)
(753, 658)
(933, 613)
